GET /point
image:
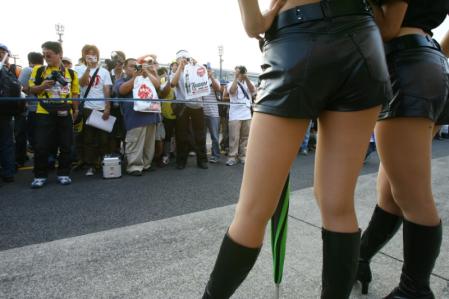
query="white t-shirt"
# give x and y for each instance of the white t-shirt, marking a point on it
(96, 91)
(210, 107)
(180, 92)
(243, 111)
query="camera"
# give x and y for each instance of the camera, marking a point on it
(138, 67)
(242, 69)
(58, 77)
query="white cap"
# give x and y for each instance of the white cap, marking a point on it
(182, 54)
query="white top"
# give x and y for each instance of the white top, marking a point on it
(180, 92)
(242, 111)
(96, 91)
(211, 109)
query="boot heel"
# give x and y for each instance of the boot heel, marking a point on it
(364, 275)
(365, 285)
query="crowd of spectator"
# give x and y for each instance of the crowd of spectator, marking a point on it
(53, 131)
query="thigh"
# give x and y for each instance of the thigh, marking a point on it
(198, 123)
(342, 140)
(45, 131)
(264, 175)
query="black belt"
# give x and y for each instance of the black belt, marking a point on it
(326, 9)
(411, 41)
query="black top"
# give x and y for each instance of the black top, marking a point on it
(426, 14)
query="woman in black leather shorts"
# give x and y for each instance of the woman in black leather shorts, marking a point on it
(420, 80)
(324, 60)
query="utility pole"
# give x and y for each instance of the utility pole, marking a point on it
(59, 31)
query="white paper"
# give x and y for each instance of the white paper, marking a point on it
(95, 120)
(195, 80)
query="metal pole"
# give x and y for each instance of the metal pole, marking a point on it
(220, 54)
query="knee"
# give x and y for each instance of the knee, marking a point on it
(337, 210)
(408, 197)
(255, 216)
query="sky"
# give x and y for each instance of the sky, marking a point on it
(138, 28)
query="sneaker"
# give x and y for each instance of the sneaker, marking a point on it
(192, 154)
(242, 160)
(38, 183)
(304, 152)
(90, 172)
(64, 180)
(213, 159)
(165, 160)
(231, 162)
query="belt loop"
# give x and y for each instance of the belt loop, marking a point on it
(325, 9)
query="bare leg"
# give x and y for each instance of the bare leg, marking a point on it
(341, 148)
(407, 166)
(265, 172)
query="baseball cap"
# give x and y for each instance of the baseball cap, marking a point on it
(4, 47)
(66, 59)
(182, 54)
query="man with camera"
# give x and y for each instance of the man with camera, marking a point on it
(240, 92)
(140, 126)
(191, 111)
(53, 84)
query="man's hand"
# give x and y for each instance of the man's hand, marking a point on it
(182, 64)
(106, 114)
(48, 84)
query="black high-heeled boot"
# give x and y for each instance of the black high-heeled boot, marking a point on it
(421, 249)
(382, 227)
(233, 264)
(340, 257)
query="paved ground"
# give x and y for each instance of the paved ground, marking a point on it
(157, 236)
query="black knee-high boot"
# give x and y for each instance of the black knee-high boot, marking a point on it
(382, 227)
(421, 249)
(233, 264)
(340, 257)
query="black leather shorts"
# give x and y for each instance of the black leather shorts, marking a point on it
(420, 81)
(331, 64)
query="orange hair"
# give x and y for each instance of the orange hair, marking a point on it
(88, 48)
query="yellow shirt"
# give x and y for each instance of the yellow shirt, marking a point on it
(57, 91)
(166, 109)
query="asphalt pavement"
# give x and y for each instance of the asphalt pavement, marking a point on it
(156, 236)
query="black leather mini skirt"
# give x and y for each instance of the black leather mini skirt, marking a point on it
(334, 63)
(420, 79)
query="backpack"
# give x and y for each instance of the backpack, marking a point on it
(10, 87)
(47, 104)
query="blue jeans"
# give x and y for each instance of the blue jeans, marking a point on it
(7, 149)
(213, 125)
(305, 143)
